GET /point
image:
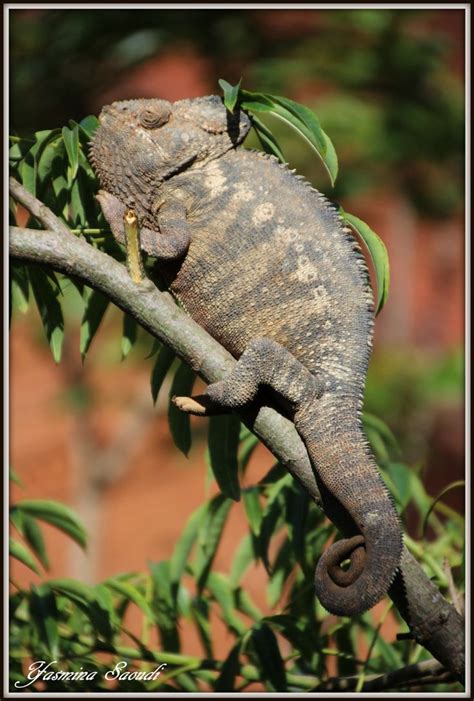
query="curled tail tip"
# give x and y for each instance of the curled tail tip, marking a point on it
(367, 580)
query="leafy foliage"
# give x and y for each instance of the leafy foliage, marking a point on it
(75, 624)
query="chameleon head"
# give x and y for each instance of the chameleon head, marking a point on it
(151, 140)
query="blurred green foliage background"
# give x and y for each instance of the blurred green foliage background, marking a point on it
(386, 84)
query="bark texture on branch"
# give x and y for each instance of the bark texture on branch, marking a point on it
(434, 622)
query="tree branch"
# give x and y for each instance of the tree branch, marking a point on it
(433, 621)
(428, 671)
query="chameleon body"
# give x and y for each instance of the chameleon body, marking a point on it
(263, 262)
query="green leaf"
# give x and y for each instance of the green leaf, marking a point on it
(220, 588)
(369, 420)
(34, 537)
(231, 93)
(20, 287)
(105, 600)
(243, 558)
(89, 125)
(12, 475)
(131, 593)
(179, 421)
(378, 446)
(28, 172)
(272, 515)
(45, 616)
(268, 654)
(402, 479)
(230, 669)
(209, 535)
(74, 590)
(93, 601)
(164, 606)
(77, 214)
(296, 508)
(200, 616)
(95, 307)
(54, 149)
(453, 485)
(57, 515)
(253, 508)
(248, 445)
(378, 254)
(19, 552)
(129, 334)
(49, 309)
(71, 142)
(300, 118)
(266, 138)
(184, 545)
(247, 606)
(223, 444)
(162, 364)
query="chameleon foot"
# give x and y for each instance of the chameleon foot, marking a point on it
(200, 405)
(189, 405)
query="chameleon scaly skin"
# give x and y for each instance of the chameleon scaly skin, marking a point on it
(263, 262)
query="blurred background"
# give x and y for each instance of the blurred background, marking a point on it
(388, 87)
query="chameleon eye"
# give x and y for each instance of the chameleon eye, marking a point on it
(151, 119)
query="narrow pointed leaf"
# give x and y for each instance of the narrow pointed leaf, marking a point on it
(74, 589)
(300, 118)
(223, 444)
(453, 485)
(209, 535)
(162, 364)
(185, 543)
(243, 558)
(268, 654)
(378, 254)
(89, 125)
(369, 420)
(229, 671)
(219, 586)
(231, 93)
(95, 307)
(45, 615)
(21, 553)
(49, 309)
(179, 421)
(57, 515)
(71, 142)
(129, 334)
(28, 170)
(130, 592)
(268, 141)
(34, 537)
(253, 509)
(20, 288)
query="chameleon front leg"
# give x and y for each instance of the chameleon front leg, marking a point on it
(264, 362)
(167, 239)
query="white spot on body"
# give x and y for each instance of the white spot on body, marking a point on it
(263, 213)
(243, 193)
(215, 181)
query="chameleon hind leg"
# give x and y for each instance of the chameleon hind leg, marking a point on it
(264, 362)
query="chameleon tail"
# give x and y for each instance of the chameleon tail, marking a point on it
(356, 499)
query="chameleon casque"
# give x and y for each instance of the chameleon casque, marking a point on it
(264, 263)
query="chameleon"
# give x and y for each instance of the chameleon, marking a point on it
(265, 264)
